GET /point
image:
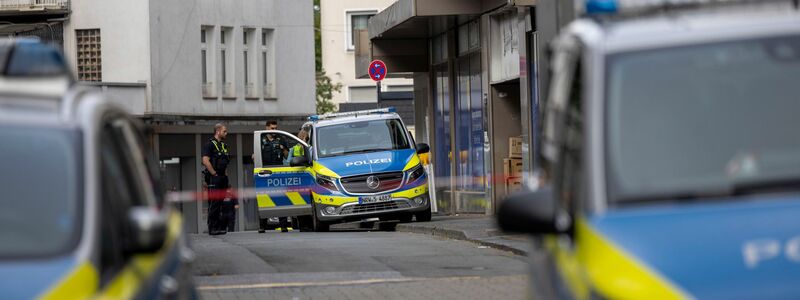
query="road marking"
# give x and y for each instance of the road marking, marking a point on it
(302, 284)
(345, 282)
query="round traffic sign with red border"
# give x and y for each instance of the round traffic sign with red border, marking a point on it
(377, 70)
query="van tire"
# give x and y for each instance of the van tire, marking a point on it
(318, 225)
(405, 218)
(305, 223)
(424, 216)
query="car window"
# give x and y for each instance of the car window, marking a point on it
(714, 117)
(360, 137)
(276, 149)
(118, 192)
(42, 191)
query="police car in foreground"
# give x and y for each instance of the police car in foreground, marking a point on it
(82, 216)
(670, 154)
(358, 165)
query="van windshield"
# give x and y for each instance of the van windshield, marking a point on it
(361, 137)
(704, 120)
(41, 191)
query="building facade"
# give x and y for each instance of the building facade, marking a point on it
(340, 21)
(183, 66)
(43, 19)
(478, 68)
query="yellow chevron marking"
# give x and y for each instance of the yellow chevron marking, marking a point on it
(264, 201)
(296, 198)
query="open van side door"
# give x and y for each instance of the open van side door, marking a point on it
(282, 190)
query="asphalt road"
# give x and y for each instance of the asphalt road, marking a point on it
(353, 265)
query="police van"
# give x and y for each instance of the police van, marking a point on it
(353, 166)
(670, 158)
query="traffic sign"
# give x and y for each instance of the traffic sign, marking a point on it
(377, 70)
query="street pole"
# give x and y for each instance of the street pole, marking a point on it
(378, 85)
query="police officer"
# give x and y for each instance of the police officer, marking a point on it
(297, 149)
(274, 148)
(215, 160)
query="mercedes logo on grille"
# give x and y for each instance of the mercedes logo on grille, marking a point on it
(373, 182)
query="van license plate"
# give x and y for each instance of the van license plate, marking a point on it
(375, 199)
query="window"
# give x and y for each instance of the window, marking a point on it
(469, 37)
(226, 67)
(206, 62)
(248, 72)
(117, 185)
(267, 64)
(204, 67)
(357, 20)
(31, 222)
(246, 79)
(361, 137)
(439, 49)
(90, 67)
(276, 149)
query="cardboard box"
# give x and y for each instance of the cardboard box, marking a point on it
(515, 147)
(513, 185)
(512, 167)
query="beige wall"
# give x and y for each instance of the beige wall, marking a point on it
(338, 62)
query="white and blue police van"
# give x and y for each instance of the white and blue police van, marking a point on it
(353, 166)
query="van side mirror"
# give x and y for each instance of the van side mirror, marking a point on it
(423, 148)
(299, 161)
(148, 229)
(534, 212)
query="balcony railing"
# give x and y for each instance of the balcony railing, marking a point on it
(34, 5)
(208, 90)
(228, 91)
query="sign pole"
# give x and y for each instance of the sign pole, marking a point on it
(377, 72)
(378, 88)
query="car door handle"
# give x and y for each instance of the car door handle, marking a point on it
(264, 173)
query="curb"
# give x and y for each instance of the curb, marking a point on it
(458, 235)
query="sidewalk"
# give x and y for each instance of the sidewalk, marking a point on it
(481, 230)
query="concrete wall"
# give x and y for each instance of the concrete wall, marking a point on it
(175, 34)
(337, 61)
(124, 33)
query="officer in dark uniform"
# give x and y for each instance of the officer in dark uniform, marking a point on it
(274, 148)
(216, 159)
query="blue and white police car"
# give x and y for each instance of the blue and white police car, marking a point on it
(670, 158)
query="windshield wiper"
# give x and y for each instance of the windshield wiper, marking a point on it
(364, 151)
(735, 189)
(759, 186)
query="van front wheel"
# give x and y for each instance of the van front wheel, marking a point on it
(424, 216)
(319, 226)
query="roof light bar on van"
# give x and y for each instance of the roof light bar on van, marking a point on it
(618, 7)
(353, 113)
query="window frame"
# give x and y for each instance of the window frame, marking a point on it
(349, 43)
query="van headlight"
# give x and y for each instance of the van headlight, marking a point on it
(327, 182)
(415, 173)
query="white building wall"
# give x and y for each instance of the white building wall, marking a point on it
(339, 62)
(125, 42)
(175, 31)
